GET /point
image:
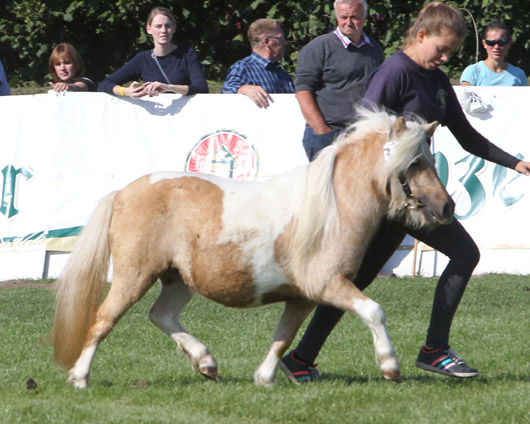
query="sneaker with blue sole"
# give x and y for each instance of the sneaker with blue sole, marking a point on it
(446, 362)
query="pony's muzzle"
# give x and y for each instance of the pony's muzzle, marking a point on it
(448, 211)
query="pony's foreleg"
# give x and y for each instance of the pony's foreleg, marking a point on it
(293, 315)
(118, 301)
(343, 294)
(165, 314)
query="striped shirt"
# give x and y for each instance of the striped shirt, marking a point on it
(256, 70)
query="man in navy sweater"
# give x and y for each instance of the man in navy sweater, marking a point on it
(332, 73)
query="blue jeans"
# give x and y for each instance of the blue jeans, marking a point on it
(314, 143)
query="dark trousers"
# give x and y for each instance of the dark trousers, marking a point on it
(452, 240)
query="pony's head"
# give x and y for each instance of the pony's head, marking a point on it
(379, 165)
(397, 152)
(417, 196)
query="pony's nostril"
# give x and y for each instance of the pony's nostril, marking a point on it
(449, 210)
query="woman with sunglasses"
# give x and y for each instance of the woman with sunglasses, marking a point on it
(494, 70)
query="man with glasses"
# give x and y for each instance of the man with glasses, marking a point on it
(260, 74)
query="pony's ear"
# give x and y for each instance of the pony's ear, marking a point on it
(430, 128)
(399, 126)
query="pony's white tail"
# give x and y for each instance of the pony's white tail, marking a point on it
(82, 284)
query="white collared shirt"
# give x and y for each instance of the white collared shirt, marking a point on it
(346, 41)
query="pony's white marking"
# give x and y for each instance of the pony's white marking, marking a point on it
(369, 311)
(266, 372)
(372, 314)
(189, 344)
(78, 375)
(253, 217)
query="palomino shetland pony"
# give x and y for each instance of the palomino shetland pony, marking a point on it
(297, 238)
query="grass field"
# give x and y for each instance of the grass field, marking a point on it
(138, 377)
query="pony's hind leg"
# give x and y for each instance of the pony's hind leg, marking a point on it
(293, 315)
(120, 298)
(165, 314)
(343, 294)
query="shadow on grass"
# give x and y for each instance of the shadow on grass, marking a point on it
(427, 379)
(193, 379)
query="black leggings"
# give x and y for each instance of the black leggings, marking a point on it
(451, 240)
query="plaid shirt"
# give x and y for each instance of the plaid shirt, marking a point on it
(256, 70)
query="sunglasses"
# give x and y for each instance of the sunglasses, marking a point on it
(501, 42)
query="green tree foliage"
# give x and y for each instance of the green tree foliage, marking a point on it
(108, 33)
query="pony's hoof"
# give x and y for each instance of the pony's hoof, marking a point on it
(262, 381)
(77, 382)
(207, 366)
(209, 372)
(393, 375)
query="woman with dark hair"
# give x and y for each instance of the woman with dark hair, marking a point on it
(494, 70)
(67, 69)
(168, 67)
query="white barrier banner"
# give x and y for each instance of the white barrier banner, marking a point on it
(493, 202)
(61, 153)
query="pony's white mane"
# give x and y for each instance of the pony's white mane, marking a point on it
(315, 200)
(411, 142)
(367, 121)
(316, 205)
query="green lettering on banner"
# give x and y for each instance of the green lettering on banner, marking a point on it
(500, 184)
(7, 205)
(43, 235)
(472, 185)
(442, 167)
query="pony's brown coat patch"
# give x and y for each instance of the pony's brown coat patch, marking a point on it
(216, 271)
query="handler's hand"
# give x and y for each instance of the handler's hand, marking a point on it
(256, 93)
(523, 167)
